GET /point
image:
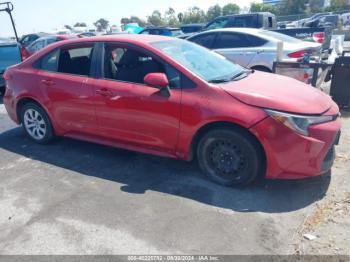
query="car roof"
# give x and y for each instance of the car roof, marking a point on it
(129, 38)
(235, 30)
(162, 27)
(248, 14)
(7, 42)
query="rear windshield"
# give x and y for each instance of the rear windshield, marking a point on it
(280, 37)
(9, 55)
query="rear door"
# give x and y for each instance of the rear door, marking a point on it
(62, 76)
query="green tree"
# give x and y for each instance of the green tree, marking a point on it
(170, 17)
(125, 20)
(156, 18)
(230, 9)
(139, 21)
(101, 24)
(292, 7)
(194, 15)
(213, 12)
(316, 6)
(338, 5)
(80, 24)
(260, 7)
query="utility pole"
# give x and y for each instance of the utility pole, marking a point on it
(8, 8)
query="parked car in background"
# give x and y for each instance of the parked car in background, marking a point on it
(263, 20)
(192, 28)
(321, 35)
(26, 40)
(254, 20)
(9, 55)
(173, 98)
(253, 48)
(43, 42)
(165, 31)
(345, 19)
(86, 34)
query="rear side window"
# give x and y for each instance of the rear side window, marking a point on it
(75, 61)
(230, 40)
(205, 40)
(254, 41)
(36, 46)
(50, 61)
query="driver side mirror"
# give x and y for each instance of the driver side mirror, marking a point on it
(160, 81)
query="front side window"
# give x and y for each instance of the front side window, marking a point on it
(130, 65)
(230, 40)
(208, 65)
(219, 23)
(205, 40)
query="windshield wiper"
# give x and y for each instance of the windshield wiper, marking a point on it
(235, 77)
(244, 73)
(218, 81)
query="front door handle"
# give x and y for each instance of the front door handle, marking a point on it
(48, 82)
(104, 92)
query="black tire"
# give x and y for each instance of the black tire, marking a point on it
(43, 137)
(230, 157)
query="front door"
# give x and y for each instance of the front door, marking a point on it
(129, 111)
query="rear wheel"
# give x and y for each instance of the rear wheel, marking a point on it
(230, 157)
(36, 123)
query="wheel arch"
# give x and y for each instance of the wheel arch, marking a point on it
(25, 100)
(223, 125)
(262, 68)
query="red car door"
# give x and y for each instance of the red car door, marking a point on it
(71, 100)
(131, 112)
(137, 114)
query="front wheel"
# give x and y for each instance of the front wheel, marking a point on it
(36, 123)
(230, 157)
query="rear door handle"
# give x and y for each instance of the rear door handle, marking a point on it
(104, 92)
(48, 82)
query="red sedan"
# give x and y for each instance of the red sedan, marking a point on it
(173, 98)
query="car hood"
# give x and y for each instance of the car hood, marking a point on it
(278, 92)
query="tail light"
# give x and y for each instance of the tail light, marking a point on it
(319, 37)
(24, 53)
(298, 54)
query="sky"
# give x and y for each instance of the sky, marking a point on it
(48, 15)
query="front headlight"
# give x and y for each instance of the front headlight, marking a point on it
(298, 123)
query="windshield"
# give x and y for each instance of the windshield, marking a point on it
(9, 55)
(281, 37)
(176, 32)
(199, 60)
